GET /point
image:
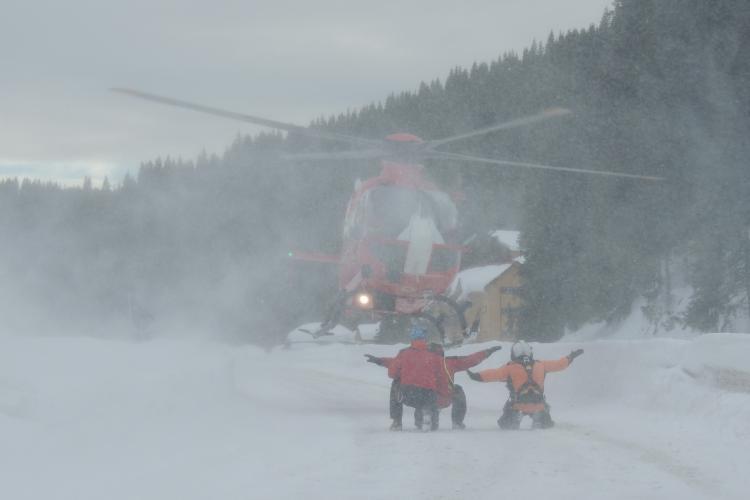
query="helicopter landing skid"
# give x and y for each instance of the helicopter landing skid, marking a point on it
(443, 314)
(448, 317)
(315, 334)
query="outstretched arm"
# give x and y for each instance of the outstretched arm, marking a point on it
(562, 363)
(556, 365)
(574, 354)
(386, 362)
(491, 375)
(460, 363)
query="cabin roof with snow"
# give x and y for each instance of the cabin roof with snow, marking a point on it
(476, 279)
(508, 239)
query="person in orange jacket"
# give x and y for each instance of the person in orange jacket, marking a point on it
(450, 393)
(525, 379)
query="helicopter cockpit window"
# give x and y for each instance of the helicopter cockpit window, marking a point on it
(445, 209)
(353, 224)
(390, 208)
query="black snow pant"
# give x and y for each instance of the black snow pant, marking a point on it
(422, 400)
(458, 405)
(511, 419)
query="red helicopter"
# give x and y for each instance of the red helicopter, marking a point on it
(400, 248)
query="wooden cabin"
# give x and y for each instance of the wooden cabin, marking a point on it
(494, 294)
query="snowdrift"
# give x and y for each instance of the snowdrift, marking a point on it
(89, 419)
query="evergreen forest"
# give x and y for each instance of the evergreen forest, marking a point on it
(658, 87)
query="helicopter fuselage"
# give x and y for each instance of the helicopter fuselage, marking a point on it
(399, 241)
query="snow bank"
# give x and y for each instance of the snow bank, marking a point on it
(637, 325)
(89, 419)
(719, 351)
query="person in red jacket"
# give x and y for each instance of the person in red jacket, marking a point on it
(449, 394)
(419, 375)
(525, 379)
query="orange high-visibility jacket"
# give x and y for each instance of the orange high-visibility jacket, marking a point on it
(516, 374)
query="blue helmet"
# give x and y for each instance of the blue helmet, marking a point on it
(417, 333)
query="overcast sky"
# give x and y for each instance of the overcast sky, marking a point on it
(292, 60)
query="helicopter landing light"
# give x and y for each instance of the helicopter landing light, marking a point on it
(364, 300)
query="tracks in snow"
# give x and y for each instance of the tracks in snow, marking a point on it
(574, 458)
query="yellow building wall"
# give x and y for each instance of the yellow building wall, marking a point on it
(497, 308)
(500, 308)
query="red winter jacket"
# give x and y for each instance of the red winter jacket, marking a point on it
(418, 366)
(450, 365)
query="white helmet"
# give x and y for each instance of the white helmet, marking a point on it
(521, 349)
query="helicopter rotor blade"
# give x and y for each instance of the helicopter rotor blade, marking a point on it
(256, 120)
(547, 114)
(439, 155)
(365, 154)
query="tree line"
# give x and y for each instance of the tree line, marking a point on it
(658, 87)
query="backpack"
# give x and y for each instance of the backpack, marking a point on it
(530, 392)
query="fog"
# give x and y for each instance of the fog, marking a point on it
(185, 249)
(171, 252)
(149, 285)
(200, 241)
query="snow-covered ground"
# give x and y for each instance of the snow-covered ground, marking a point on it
(93, 419)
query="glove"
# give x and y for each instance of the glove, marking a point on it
(474, 376)
(373, 359)
(492, 349)
(574, 354)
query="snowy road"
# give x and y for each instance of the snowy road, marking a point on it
(87, 419)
